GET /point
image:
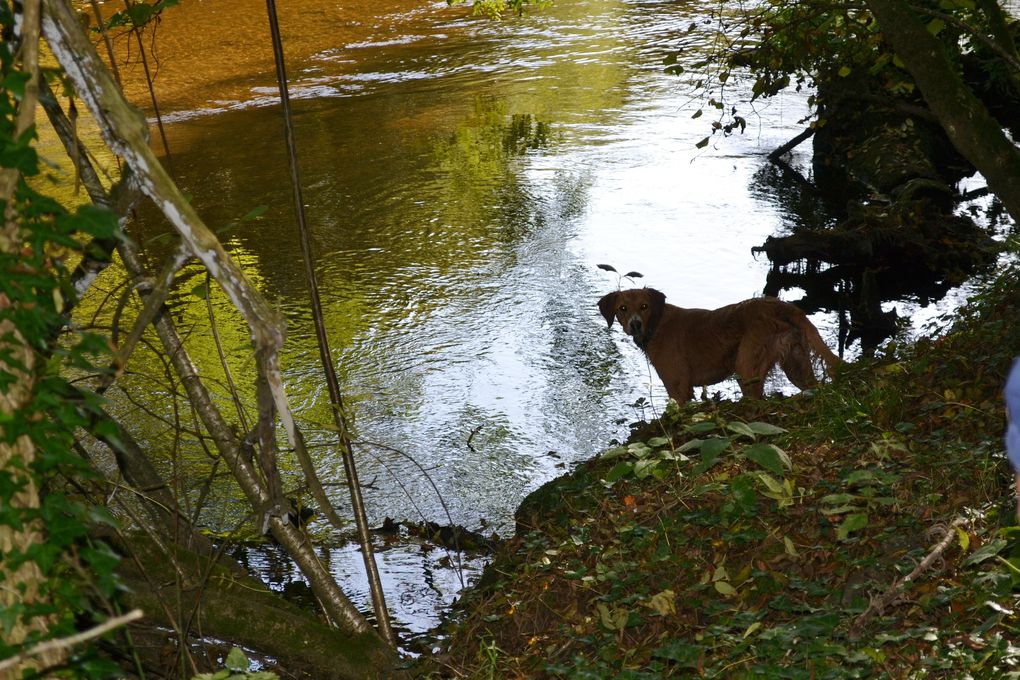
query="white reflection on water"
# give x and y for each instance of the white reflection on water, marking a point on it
(420, 580)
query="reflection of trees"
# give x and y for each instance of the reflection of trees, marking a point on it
(878, 253)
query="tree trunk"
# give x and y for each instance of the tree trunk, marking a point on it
(975, 133)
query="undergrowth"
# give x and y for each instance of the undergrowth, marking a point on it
(775, 539)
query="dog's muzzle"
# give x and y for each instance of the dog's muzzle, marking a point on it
(635, 326)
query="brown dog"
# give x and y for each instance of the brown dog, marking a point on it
(691, 347)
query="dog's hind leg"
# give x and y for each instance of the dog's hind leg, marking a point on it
(752, 365)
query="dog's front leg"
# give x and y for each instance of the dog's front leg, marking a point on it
(681, 390)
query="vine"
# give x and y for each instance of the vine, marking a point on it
(54, 579)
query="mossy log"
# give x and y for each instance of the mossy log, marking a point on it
(244, 612)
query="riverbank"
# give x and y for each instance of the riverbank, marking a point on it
(862, 529)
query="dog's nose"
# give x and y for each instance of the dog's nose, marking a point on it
(635, 325)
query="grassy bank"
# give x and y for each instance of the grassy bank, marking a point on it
(863, 529)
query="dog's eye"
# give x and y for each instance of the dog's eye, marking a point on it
(623, 308)
(644, 306)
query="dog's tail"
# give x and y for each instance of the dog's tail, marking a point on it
(817, 345)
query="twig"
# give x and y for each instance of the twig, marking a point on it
(785, 148)
(68, 642)
(472, 436)
(878, 604)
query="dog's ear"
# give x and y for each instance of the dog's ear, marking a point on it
(656, 298)
(607, 305)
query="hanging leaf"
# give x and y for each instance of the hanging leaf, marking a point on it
(606, 267)
(633, 275)
(702, 144)
(255, 212)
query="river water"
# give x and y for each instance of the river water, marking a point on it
(462, 179)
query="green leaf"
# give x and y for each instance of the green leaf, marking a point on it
(988, 550)
(618, 471)
(838, 498)
(701, 428)
(255, 212)
(724, 588)
(639, 449)
(14, 82)
(139, 13)
(773, 484)
(935, 26)
(664, 603)
(844, 71)
(740, 429)
(96, 221)
(690, 444)
(851, 523)
(702, 144)
(768, 456)
(643, 468)
(765, 428)
(237, 661)
(861, 477)
(614, 453)
(681, 653)
(712, 448)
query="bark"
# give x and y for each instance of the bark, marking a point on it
(21, 585)
(975, 133)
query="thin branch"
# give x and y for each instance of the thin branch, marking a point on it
(63, 644)
(879, 603)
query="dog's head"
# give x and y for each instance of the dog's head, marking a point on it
(638, 311)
